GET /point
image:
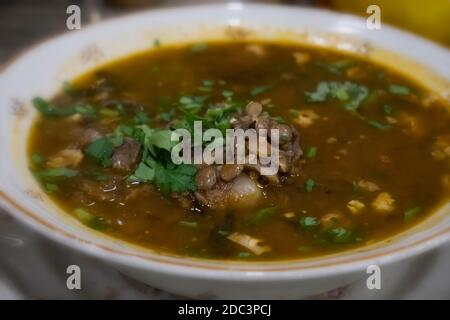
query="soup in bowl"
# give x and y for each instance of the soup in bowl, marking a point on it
(234, 155)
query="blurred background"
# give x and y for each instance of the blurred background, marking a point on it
(24, 22)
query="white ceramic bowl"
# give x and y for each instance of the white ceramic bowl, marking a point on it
(42, 69)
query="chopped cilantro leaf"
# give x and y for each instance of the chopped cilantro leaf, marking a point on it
(50, 110)
(57, 172)
(412, 213)
(102, 149)
(263, 214)
(336, 67)
(141, 118)
(90, 220)
(109, 113)
(166, 116)
(308, 223)
(340, 235)
(399, 89)
(69, 89)
(175, 178)
(37, 158)
(244, 255)
(198, 47)
(310, 183)
(379, 125)
(387, 109)
(51, 187)
(188, 224)
(312, 152)
(260, 90)
(353, 94)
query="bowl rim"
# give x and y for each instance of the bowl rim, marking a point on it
(188, 266)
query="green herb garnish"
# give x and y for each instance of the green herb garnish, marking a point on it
(308, 223)
(387, 109)
(312, 152)
(51, 187)
(69, 89)
(379, 125)
(259, 90)
(90, 220)
(156, 165)
(399, 90)
(102, 149)
(188, 224)
(310, 183)
(244, 255)
(263, 214)
(411, 213)
(350, 93)
(141, 118)
(198, 47)
(37, 159)
(57, 172)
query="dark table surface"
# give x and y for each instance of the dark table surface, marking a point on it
(25, 22)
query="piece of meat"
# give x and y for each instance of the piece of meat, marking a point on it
(229, 172)
(206, 177)
(126, 156)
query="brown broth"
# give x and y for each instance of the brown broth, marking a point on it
(397, 159)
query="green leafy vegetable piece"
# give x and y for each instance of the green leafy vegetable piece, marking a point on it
(166, 116)
(353, 94)
(340, 235)
(308, 223)
(109, 113)
(227, 94)
(57, 172)
(97, 175)
(336, 67)
(379, 125)
(259, 90)
(90, 220)
(178, 178)
(141, 118)
(143, 173)
(198, 47)
(305, 249)
(399, 90)
(312, 152)
(263, 214)
(244, 255)
(188, 224)
(189, 103)
(37, 159)
(162, 139)
(86, 110)
(51, 187)
(411, 213)
(50, 110)
(310, 183)
(387, 109)
(69, 89)
(102, 149)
